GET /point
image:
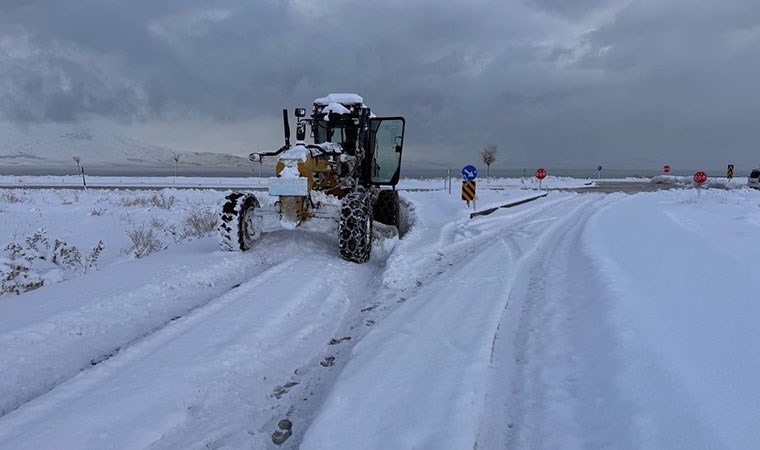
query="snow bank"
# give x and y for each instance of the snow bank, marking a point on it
(685, 276)
(712, 182)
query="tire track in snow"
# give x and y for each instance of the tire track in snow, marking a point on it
(554, 352)
(57, 348)
(401, 350)
(236, 351)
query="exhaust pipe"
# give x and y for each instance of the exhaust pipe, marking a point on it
(287, 127)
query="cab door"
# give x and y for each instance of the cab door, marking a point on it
(386, 143)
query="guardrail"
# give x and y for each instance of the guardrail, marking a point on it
(488, 211)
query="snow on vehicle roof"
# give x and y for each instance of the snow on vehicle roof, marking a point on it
(335, 107)
(343, 99)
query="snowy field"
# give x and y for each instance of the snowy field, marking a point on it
(575, 321)
(72, 181)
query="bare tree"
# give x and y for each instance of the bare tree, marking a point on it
(77, 160)
(175, 158)
(488, 154)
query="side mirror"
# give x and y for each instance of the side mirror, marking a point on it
(254, 157)
(300, 112)
(301, 131)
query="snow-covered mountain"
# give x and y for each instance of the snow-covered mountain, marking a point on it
(50, 145)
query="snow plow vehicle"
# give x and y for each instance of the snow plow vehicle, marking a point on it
(347, 176)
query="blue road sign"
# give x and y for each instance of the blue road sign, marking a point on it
(469, 173)
(599, 168)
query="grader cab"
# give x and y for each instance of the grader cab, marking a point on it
(347, 175)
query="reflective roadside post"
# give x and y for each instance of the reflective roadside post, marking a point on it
(84, 181)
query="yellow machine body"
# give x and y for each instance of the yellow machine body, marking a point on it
(320, 175)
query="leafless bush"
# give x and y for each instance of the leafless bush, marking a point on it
(16, 276)
(200, 223)
(97, 211)
(10, 197)
(159, 200)
(65, 256)
(66, 200)
(168, 229)
(92, 259)
(144, 241)
(163, 202)
(24, 267)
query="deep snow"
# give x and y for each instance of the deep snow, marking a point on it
(575, 321)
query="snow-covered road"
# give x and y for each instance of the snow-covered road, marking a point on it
(435, 352)
(207, 375)
(556, 324)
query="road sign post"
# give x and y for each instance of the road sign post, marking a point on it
(598, 172)
(666, 169)
(730, 172)
(469, 174)
(699, 178)
(468, 192)
(540, 174)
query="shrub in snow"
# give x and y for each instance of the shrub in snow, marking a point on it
(16, 274)
(200, 223)
(10, 197)
(168, 229)
(144, 241)
(28, 266)
(68, 200)
(159, 200)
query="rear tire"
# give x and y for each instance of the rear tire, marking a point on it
(355, 227)
(386, 209)
(237, 225)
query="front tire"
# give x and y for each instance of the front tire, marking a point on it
(355, 227)
(238, 225)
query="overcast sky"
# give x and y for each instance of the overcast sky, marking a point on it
(553, 82)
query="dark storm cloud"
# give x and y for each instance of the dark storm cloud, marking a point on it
(572, 9)
(564, 81)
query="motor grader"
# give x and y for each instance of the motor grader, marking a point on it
(347, 175)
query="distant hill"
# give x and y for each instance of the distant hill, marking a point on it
(51, 145)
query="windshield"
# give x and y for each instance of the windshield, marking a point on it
(327, 132)
(755, 174)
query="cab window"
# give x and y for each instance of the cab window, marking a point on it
(327, 133)
(386, 155)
